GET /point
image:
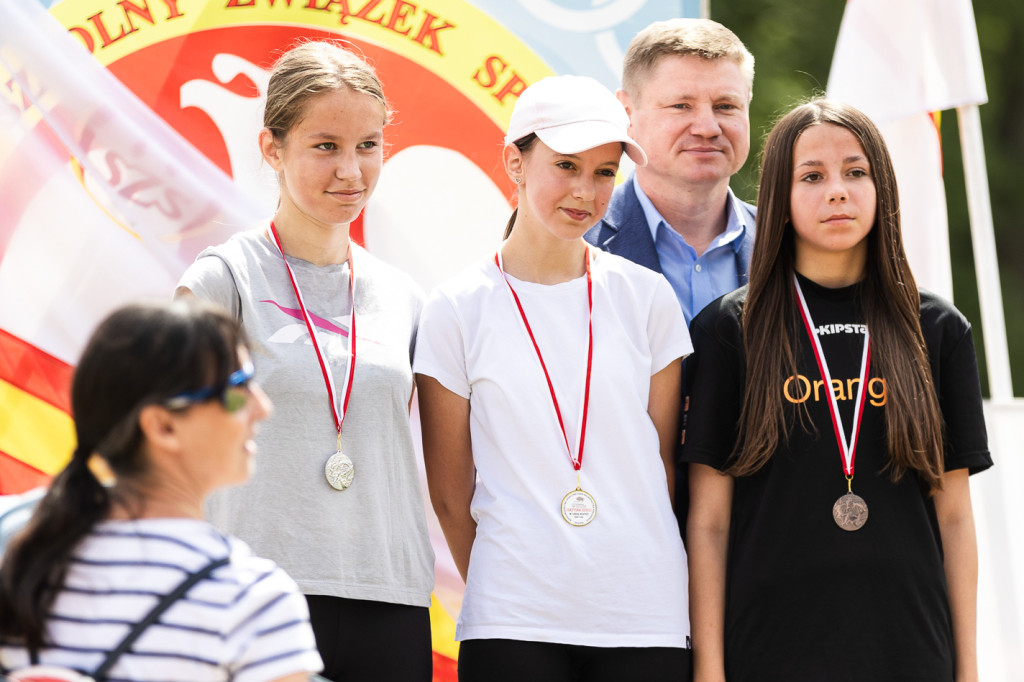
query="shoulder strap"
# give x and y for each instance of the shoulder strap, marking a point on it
(153, 615)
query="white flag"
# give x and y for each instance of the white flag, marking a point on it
(101, 202)
(899, 62)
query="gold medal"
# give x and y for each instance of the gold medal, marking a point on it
(850, 512)
(578, 507)
(339, 471)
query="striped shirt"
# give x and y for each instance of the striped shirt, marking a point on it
(247, 622)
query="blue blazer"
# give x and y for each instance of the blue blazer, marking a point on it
(624, 232)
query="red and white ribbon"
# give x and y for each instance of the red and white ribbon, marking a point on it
(847, 449)
(337, 410)
(577, 460)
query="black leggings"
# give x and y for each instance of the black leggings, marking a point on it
(372, 641)
(506, 660)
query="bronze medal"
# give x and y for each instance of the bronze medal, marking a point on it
(850, 512)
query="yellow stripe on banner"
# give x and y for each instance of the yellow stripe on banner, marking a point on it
(34, 431)
(453, 39)
(442, 630)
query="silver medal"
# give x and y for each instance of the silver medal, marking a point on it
(339, 471)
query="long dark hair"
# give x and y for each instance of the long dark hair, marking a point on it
(889, 298)
(140, 355)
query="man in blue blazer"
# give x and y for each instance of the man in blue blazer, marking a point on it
(686, 85)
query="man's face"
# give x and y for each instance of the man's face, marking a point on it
(691, 116)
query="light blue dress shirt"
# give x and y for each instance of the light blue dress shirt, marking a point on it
(696, 281)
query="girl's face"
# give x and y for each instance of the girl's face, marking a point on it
(832, 200)
(566, 193)
(329, 162)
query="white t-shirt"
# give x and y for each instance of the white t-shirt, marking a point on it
(621, 580)
(247, 622)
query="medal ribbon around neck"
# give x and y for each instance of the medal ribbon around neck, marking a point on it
(325, 368)
(848, 451)
(577, 461)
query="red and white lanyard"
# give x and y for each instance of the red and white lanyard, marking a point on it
(848, 450)
(338, 411)
(577, 461)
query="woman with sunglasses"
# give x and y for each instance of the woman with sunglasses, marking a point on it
(164, 404)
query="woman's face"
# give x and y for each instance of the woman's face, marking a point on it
(832, 200)
(568, 193)
(330, 161)
(217, 444)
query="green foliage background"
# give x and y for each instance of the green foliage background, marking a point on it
(793, 41)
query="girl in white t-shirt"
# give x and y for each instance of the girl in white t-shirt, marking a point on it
(549, 380)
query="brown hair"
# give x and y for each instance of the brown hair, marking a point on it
(309, 69)
(524, 144)
(682, 37)
(889, 298)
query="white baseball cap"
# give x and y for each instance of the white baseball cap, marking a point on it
(571, 114)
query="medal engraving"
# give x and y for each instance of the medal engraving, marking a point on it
(850, 512)
(579, 508)
(339, 471)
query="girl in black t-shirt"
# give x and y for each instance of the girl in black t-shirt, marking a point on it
(830, 533)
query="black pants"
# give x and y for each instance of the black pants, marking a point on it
(506, 660)
(372, 641)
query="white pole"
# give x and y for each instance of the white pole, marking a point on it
(986, 265)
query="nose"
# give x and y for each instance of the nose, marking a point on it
(260, 406)
(583, 189)
(347, 167)
(837, 194)
(704, 123)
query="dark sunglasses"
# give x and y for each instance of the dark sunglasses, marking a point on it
(233, 393)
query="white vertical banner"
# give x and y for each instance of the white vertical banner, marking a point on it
(898, 62)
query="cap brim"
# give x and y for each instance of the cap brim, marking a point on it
(573, 138)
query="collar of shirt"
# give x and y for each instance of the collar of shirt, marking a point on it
(734, 228)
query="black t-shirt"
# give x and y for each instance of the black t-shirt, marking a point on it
(806, 600)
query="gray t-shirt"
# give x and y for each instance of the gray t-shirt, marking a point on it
(369, 541)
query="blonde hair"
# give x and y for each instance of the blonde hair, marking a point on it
(682, 37)
(308, 70)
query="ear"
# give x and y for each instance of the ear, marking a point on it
(625, 101)
(270, 149)
(513, 160)
(159, 428)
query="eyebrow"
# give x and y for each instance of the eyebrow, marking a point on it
(849, 159)
(330, 136)
(727, 96)
(577, 157)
